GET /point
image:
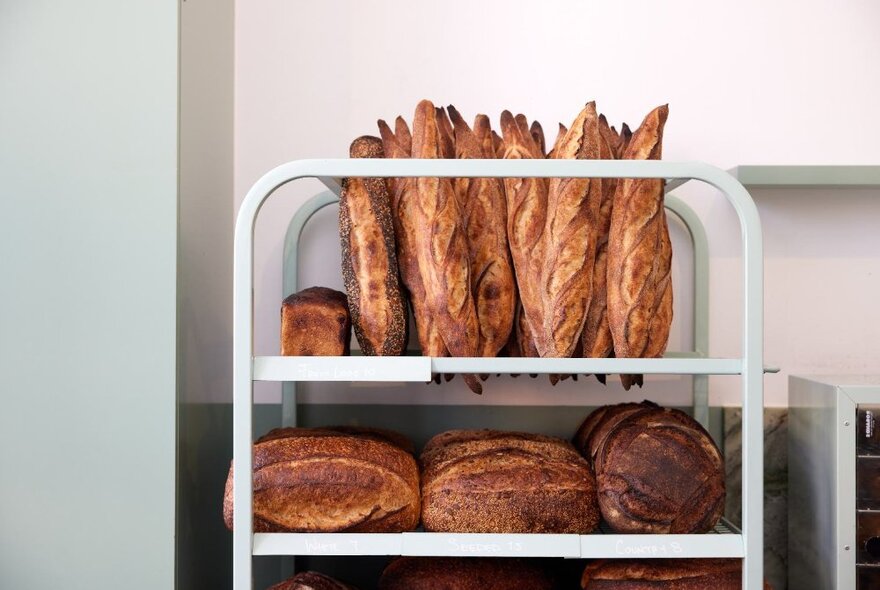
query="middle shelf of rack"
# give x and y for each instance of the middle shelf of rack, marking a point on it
(724, 541)
(419, 368)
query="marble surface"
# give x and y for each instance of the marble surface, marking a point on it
(775, 486)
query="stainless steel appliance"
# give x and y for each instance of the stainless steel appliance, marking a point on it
(834, 482)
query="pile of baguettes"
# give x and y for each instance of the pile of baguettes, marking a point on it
(555, 267)
(639, 467)
(476, 573)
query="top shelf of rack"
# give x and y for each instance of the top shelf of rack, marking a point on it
(807, 176)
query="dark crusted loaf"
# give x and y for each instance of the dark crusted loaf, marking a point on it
(311, 581)
(664, 574)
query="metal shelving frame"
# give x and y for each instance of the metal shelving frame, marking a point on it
(747, 544)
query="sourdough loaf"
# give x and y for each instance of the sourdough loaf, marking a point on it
(315, 322)
(322, 480)
(369, 259)
(506, 482)
(311, 581)
(659, 471)
(601, 421)
(664, 574)
(464, 573)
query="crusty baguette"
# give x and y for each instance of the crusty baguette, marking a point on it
(320, 480)
(315, 322)
(311, 581)
(498, 144)
(441, 248)
(404, 196)
(596, 337)
(447, 135)
(526, 218)
(638, 257)
(625, 137)
(559, 137)
(369, 259)
(486, 137)
(538, 135)
(570, 235)
(485, 217)
(610, 134)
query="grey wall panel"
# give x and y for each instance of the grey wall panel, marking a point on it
(88, 162)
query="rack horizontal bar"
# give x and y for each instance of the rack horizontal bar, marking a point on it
(721, 543)
(419, 368)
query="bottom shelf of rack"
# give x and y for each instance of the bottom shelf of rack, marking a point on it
(724, 541)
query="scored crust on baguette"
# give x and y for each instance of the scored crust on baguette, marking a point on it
(537, 133)
(318, 480)
(315, 322)
(404, 197)
(563, 130)
(526, 218)
(311, 581)
(485, 216)
(596, 338)
(625, 137)
(369, 259)
(441, 248)
(638, 259)
(570, 236)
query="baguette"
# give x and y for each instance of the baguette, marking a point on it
(596, 339)
(526, 217)
(570, 234)
(404, 196)
(369, 259)
(537, 133)
(559, 137)
(441, 248)
(485, 216)
(639, 255)
(625, 137)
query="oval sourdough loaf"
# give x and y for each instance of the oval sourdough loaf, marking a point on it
(321, 480)
(506, 482)
(311, 581)
(664, 574)
(659, 471)
(464, 573)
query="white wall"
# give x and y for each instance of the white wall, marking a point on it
(88, 162)
(748, 83)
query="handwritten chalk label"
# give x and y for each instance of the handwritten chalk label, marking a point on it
(647, 549)
(309, 372)
(322, 548)
(476, 548)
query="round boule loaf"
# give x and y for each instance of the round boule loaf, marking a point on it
(311, 581)
(659, 471)
(600, 422)
(664, 574)
(464, 573)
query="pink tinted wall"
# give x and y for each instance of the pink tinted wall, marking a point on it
(748, 83)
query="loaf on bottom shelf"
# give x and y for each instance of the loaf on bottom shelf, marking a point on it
(311, 581)
(464, 573)
(664, 574)
(356, 480)
(487, 481)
